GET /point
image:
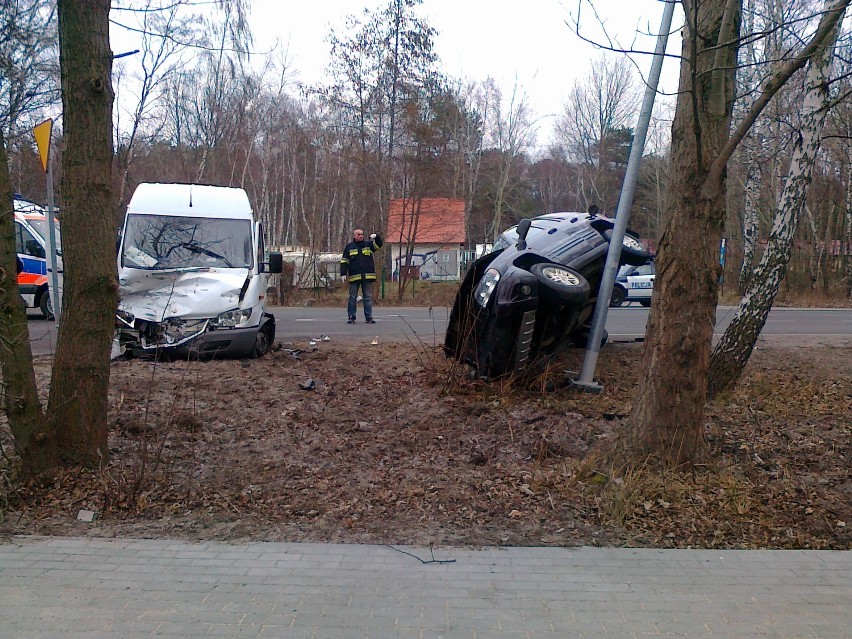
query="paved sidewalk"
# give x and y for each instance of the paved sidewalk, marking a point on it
(71, 588)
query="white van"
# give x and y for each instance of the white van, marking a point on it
(192, 274)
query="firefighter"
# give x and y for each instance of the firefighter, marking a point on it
(358, 266)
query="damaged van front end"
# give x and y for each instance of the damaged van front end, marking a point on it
(192, 278)
(196, 312)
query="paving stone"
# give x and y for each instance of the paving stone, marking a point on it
(105, 588)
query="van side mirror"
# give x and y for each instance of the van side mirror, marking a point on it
(275, 263)
(523, 229)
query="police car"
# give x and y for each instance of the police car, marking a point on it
(634, 284)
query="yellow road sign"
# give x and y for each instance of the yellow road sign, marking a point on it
(42, 136)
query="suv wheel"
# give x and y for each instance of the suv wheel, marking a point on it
(561, 283)
(632, 252)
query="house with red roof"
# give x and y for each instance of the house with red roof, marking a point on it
(426, 238)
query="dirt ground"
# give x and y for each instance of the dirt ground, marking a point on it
(392, 443)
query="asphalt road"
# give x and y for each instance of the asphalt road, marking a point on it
(627, 322)
(427, 326)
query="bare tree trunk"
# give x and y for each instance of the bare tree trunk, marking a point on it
(212, 124)
(500, 197)
(512, 137)
(817, 250)
(393, 100)
(734, 348)
(78, 391)
(748, 81)
(846, 248)
(27, 422)
(472, 166)
(750, 214)
(156, 53)
(667, 420)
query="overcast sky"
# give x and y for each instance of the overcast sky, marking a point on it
(527, 43)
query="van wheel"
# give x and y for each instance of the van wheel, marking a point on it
(46, 306)
(262, 343)
(645, 303)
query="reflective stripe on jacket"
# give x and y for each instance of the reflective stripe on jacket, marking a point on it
(357, 261)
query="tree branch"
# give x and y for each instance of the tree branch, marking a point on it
(727, 35)
(828, 22)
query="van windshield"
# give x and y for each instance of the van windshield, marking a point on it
(41, 227)
(166, 241)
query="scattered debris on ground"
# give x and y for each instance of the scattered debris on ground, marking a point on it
(392, 443)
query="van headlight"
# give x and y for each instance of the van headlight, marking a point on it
(486, 287)
(230, 319)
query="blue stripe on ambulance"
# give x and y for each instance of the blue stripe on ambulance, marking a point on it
(34, 264)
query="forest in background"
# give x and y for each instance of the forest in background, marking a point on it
(192, 105)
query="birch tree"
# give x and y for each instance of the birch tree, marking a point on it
(750, 152)
(734, 348)
(771, 28)
(666, 423)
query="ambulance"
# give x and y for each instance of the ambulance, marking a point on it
(32, 246)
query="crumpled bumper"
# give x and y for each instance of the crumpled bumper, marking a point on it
(188, 338)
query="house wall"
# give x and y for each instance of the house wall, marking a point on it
(437, 262)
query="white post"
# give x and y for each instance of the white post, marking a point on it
(55, 291)
(586, 379)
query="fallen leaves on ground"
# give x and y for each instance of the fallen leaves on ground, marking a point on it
(395, 444)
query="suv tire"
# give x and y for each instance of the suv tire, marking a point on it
(560, 283)
(632, 252)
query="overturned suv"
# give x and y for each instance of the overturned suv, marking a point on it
(534, 293)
